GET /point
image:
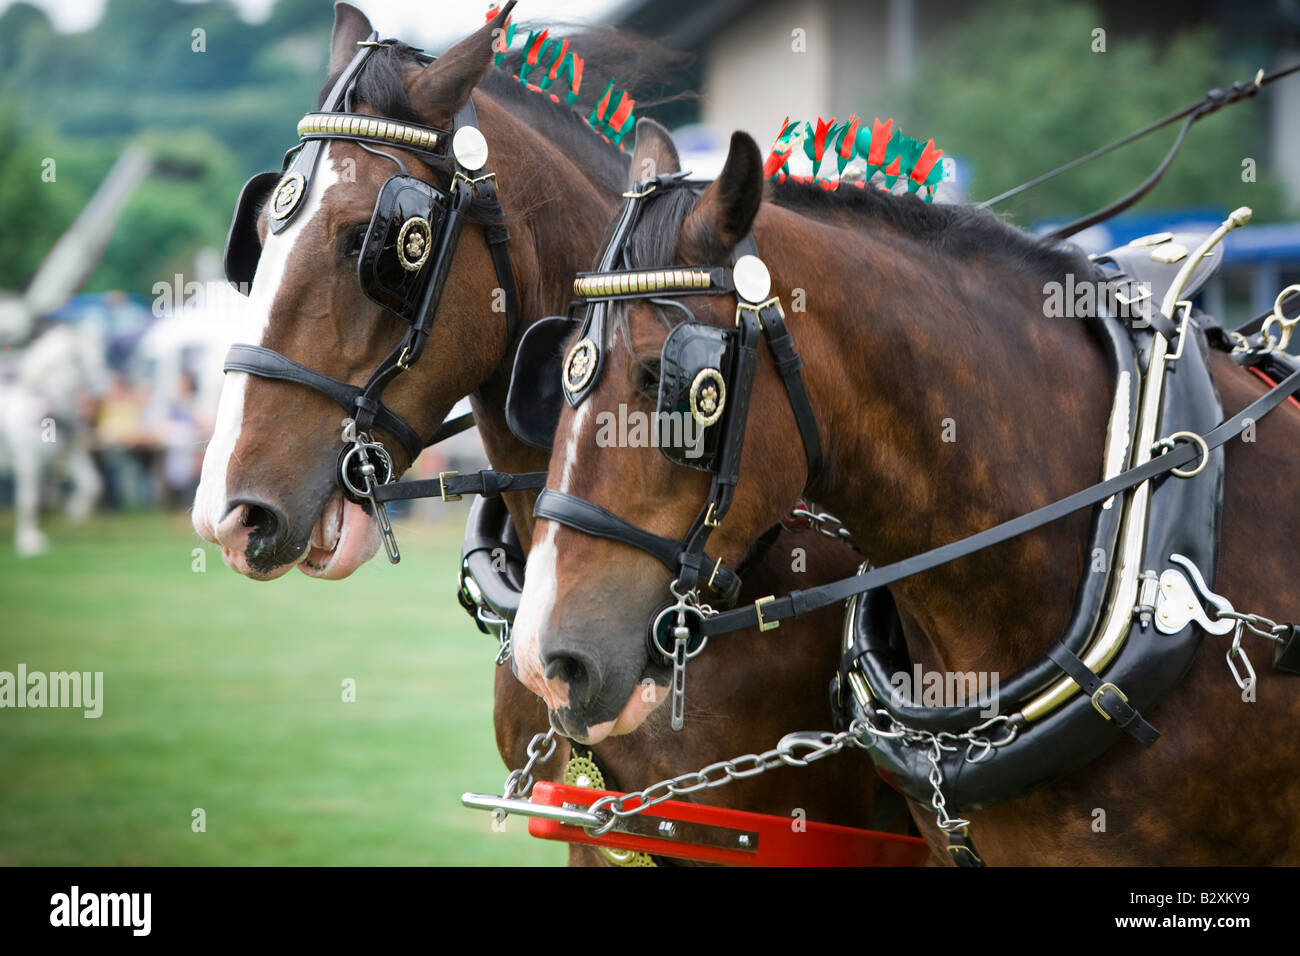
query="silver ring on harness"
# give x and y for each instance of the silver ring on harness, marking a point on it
(662, 628)
(1167, 443)
(367, 471)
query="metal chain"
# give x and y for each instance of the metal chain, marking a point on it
(1259, 624)
(519, 783)
(817, 744)
(786, 753)
(1236, 657)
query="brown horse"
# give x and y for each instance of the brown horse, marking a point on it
(268, 494)
(945, 403)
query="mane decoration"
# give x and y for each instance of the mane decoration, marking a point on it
(549, 67)
(883, 150)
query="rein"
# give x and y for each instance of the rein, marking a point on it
(1212, 102)
(769, 612)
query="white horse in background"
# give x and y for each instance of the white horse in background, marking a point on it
(44, 427)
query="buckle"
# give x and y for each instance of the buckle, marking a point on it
(758, 610)
(442, 485)
(708, 518)
(716, 566)
(1101, 690)
(758, 307)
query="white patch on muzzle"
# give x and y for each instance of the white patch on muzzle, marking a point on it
(211, 499)
(537, 601)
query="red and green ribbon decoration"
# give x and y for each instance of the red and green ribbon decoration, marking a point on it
(884, 149)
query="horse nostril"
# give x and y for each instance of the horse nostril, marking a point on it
(267, 526)
(577, 674)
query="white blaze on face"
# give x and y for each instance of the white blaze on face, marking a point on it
(210, 500)
(538, 598)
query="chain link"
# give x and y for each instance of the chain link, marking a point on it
(793, 750)
(519, 783)
(786, 753)
(1258, 624)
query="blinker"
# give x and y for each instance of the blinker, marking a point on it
(693, 368)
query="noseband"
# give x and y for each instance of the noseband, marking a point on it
(403, 265)
(706, 372)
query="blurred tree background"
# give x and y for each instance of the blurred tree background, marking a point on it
(79, 98)
(1017, 90)
(1012, 88)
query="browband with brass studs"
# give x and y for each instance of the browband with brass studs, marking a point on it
(374, 129)
(614, 285)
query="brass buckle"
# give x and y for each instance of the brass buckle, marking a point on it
(1101, 690)
(442, 485)
(716, 566)
(471, 181)
(641, 194)
(401, 359)
(708, 516)
(758, 610)
(758, 308)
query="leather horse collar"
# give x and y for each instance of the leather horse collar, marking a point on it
(404, 264)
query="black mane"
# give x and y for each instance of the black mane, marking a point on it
(953, 230)
(956, 230)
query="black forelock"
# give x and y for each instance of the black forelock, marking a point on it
(380, 83)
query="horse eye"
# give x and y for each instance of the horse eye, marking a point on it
(646, 377)
(353, 239)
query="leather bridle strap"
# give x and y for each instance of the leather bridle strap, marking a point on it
(450, 486)
(1106, 697)
(788, 366)
(797, 603)
(582, 515)
(497, 236)
(691, 559)
(364, 404)
(452, 427)
(267, 363)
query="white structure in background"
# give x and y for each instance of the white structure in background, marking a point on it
(77, 252)
(43, 425)
(193, 338)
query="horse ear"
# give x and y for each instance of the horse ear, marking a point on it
(725, 213)
(446, 83)
(350, 26)
(655, 154)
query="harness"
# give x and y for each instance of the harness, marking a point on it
(403, 266)
(1058, 713)
(707, 375)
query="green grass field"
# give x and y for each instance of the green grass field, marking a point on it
(226, 695)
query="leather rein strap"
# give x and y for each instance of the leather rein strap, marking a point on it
(769, 612)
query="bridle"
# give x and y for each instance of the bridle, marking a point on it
(706, 372)
(403, 266)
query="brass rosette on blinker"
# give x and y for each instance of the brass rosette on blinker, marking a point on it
(708, 397)
(288, 193)
(413, 243)
(579, 365)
